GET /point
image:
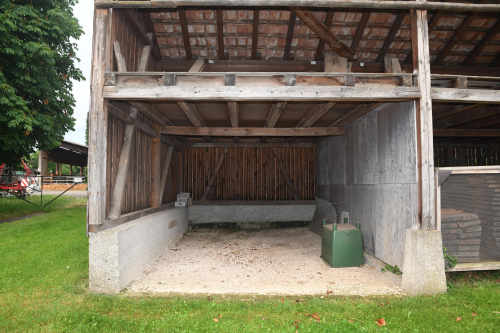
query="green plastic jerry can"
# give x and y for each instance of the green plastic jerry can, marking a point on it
(341, 244)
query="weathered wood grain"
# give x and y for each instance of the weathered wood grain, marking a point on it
(251, 131)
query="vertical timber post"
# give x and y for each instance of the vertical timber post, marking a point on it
(102, 47)
(155, 168)
(425, 150)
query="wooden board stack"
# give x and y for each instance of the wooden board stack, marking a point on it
(461, 234)
(478, 194)
(324, 210)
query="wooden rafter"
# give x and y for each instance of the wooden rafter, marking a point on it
(191, 112)
(214, 175)
(255, 34)
(289, 37)
(149, 26)
(126, 118)
(234, 114)
(359, 31)
(457, 36)
(322, 32)
(152, 113)
(220, 34)
(431, 24)
(185, 33)
(321, 44)
(390, 36)
(123, 165)
(285, 173)
(313, 116)
(480, 46)
(251, 131)
(467, 116)
(275, 114)
(486, 122)
(356, 113)
(467, 132)
(456, 110)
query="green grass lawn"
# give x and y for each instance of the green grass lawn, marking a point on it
(44, 288)
(11, 207)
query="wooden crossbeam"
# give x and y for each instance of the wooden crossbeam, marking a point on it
(214, 175)
(390, 36)
(220, 34)
(185, 33)
(359, 31)
(255, 34)
(250, 145)
(275, 114)
(151, 113)
(234, 113)
(321, 44)
(322, 31)
(465, 95)
(285, 174)
(123, 165)
(149, 26)
(123, 116)
(251, 131)
(191, 112)
(164, 173)
(475, 133)
(356, 113)
(289, 37)
(480, 46)
(372, 4)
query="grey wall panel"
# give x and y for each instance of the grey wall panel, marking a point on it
(365, 150)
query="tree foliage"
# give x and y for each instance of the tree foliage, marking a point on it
(37, 63)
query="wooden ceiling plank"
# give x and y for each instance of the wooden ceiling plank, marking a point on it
(458, 109)
(149, 27)
(466, 117)
(220, 34)
(396, 25)
(255, 34)
(356, 113)
(289, 37)
(322, 32)
(321, 44)
(480, 46)
(480, 123)
(185, 33)
(252, 131)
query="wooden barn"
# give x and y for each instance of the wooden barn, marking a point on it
(258, 108)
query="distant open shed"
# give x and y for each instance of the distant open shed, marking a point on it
(257, 107)
(70, 153)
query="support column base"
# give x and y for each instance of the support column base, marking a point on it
(423, 267)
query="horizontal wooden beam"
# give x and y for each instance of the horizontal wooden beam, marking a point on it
(263, 93)
(465, 95)
(250, 145)
(308, 66)
(251, 131)
(476, 133)
(403, 5)
(151, 113)
(254, 202)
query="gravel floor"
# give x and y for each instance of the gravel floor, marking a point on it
(259, 262)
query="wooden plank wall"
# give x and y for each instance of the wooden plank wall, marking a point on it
(465, 156)
(249, 173)
(138, 188)
(131, 46)
(377, 183)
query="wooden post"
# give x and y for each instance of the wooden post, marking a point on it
(164, 174)
(71, 170)
(421, 65)
(101, 60)
(154, 197)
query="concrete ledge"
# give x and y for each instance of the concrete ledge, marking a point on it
(119, 255)
(378, 265)
(250, 213)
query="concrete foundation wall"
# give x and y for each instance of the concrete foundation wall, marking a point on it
(250, 213)
(119, 255)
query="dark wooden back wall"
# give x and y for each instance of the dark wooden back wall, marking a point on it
(249, 173)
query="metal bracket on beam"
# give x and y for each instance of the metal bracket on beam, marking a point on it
(350, 80)
(291, 79)
(169, 80)
(230, 80)
(110, 79)
(407, 80)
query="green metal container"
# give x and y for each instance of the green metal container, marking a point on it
(341, 245)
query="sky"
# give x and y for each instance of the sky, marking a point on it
(84, 12)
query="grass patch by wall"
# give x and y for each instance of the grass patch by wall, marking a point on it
(11, 207)
(44, 288)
